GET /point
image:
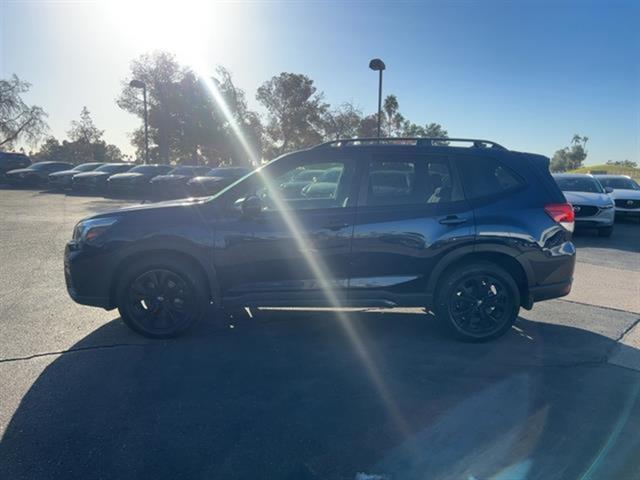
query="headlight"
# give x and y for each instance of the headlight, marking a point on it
(605, 207)
(88, 230)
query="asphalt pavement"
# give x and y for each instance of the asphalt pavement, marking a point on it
(311, 394)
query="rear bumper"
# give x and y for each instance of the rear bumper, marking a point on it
(553, 290)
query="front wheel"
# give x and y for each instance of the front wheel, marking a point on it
(161, 299)
(477, 302)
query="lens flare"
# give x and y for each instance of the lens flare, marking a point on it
(316, 265)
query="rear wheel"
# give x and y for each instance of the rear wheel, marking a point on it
(161, 299)
(605, 231)
(477, 302)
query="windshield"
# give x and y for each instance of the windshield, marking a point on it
(86, 167)
(619, 183)
(189, 170)
(113, 167)
(150, 169)
(579, 184)
(41, 165)
(228, 172)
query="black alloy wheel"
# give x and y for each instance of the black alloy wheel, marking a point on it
(161, 301)
(478, 302)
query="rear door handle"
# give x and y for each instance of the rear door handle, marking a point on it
(452, 220)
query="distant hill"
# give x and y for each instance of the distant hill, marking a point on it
(610, 169)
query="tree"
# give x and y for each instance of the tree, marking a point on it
(623, 163)
(161, 73)
(84, 130)
(342, 122)
(19, 121)
(192, 118)
(294, 110)
(368, 127)
(429, 130)
(393, 119)
(245, 136)
(571, 157)
(85, 145)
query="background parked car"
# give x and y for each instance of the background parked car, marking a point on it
(292, 187)
(135, 181)
(96, 180)
(36, 174)
(592, 204)
(216, 180)
(625, 194)
(12, 161)
(174, 184)
(62, 180)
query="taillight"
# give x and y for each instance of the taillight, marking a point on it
(562, 213)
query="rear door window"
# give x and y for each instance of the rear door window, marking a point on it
(486, 177)
(415, 180)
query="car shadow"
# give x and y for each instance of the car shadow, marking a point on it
(314, 395)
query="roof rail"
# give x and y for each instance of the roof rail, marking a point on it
(419, 142)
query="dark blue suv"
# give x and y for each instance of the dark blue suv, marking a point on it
(471, 233)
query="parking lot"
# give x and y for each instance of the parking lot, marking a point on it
(290, 394)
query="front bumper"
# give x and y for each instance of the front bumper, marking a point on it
(87, 185)
(126, 188)
(22, 180)
(628, 212)
(603, 217)
(83, 285)
(60, 182)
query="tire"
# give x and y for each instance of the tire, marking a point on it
(161, 297)
(477, 302)
(605, 231)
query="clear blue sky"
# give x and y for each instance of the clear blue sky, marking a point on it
(528, 75)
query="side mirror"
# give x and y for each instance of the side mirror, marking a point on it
(608, 189)
(251, 206)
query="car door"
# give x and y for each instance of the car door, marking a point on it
(411, 211)
(296, 249)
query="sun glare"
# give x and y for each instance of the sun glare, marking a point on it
(191, 29)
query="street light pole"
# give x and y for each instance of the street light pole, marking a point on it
(143, 86)
(378, 65)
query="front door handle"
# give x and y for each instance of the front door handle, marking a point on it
(452, 220)
(334, 227)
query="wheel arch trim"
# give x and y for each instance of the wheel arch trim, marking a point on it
(480, 252)
(202, 262)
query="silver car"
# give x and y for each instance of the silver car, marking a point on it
(592, 204)
(625, 194)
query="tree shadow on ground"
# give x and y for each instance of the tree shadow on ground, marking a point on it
(292, 395)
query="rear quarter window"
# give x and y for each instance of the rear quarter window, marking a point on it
(487, 177)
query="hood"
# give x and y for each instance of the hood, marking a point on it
(626, 194)
(123, 177)
(156, 212)
(168, 178)
(206, 179)
(64, 173)
(91, 174)
(18, 171)
(588, 198)
(183, 202)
